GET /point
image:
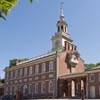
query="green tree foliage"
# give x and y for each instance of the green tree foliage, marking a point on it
(2, 80)
(6, 6)
(14, 62)
(91, 65)
(98, 64)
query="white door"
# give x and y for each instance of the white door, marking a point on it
(92, 91)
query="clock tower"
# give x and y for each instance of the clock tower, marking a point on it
(58, 40)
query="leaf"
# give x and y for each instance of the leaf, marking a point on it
(1, 16)
(31, 1)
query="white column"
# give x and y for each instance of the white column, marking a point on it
(82, 84)
(73, 88)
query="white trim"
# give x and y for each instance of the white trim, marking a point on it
(98, 76)
(21, 72)
(92, 71)
(99, 90)
(36, 87)
(36, 69)
(51, 84)
(30, 70)
(43, 68)
(91, 76)
(51, 65)
(25, 71)
(32, 82)
(35, 58)
(28, 76)
(43, 87)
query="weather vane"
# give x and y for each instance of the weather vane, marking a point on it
(62, 12)
(62, 3)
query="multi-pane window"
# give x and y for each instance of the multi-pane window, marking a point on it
(10, 90)
(99, 90)
(25, 71)
(30, 88)
(16, 73)
(51, 86)
(99, 76)
(43, 67)
(7, 91)
(36, 69)
(25, 90)
(36, 88)
(43, 87)
(30, 70)
(15, 89)
(11, 74)
(51, 66)
(7, 75)
(21, 72)
(91, 77)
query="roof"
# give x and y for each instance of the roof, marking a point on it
(38, 57)
(97, 67)
(73, 75)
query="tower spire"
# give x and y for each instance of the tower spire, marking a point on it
(62, 10)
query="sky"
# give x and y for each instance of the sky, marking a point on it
(28, 29)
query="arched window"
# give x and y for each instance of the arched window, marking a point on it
(62, 27)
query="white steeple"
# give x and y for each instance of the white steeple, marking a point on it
(58, 40)
(62, 10)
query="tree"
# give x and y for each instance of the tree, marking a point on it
(6, 6)
(92, 65)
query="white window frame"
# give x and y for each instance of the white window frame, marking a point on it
(11, 75)
(98, 76)
(51, 86)
(24, 88)
(7, 75)
(25, 71)
(7, 91)
(30, 70)
(51, 66)
(11, 88)
(43, 67)
(30, 88)
(15, 89)
(43, 87)
(36, 87)
(99, 90)
(92, 76)
(36, 69)
(16, 73)
(21, 72)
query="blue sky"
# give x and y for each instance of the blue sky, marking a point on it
(28, 29)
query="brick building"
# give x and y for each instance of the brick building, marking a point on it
(1, 89)
(59, 73)
(93, 82)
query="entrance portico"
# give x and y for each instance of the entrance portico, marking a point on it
(72, 85)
